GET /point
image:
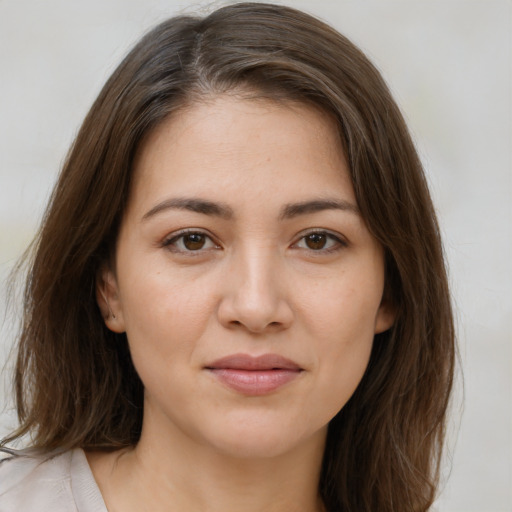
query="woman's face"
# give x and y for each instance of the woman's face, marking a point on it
(245, 278)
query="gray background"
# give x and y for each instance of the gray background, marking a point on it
(449, 66)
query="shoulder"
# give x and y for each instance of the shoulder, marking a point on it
(35, 482)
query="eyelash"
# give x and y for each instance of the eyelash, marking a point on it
(339, 243)
(169, 242)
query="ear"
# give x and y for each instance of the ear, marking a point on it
(107, 296)
(386, 315)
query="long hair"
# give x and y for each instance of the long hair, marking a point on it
(75, 383)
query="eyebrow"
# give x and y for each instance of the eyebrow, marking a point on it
(222, 210)
(191, 204)
(290, 211)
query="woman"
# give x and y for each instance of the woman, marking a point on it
(237, 299)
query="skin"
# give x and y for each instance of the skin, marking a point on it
(252, 284)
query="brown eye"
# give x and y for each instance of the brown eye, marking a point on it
(316, 241)
(321, 242)
(194, 241)
(189, 242)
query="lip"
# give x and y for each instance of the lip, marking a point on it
(254, 376)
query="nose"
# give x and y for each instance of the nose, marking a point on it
(255, 296)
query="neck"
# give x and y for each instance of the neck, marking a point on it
(180, 474)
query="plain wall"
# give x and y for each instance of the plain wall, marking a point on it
(449, 64)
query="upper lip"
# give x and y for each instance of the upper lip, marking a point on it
(248, 362)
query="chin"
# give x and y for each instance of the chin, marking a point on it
(255, 447)
(258, 439)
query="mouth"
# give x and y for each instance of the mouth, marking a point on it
(254, 376)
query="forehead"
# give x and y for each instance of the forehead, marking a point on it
(232, 145)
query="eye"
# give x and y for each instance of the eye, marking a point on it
(190, 241)
(321, 241)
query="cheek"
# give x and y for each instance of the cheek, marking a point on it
(166, 315)
(345, 310)
(344, 345)
(340, 369)
(343, 325)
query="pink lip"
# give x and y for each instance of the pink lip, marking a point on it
(254, 375)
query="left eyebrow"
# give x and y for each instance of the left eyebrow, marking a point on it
(290, 211)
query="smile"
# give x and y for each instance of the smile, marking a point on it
(254, 376)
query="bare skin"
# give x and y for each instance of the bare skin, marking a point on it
(207, 482)
(241, 237)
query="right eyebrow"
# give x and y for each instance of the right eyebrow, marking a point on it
(191, 204)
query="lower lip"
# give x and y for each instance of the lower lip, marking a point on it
(255, 382)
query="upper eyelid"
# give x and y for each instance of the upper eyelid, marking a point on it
(338, 236)
(187, 231)
(177, 235)
(174, 237)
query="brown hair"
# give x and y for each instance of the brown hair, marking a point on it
(75, 383)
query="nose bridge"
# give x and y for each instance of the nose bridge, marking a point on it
(255, 267)
(256, 294)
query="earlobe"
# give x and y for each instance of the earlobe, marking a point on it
(386, 316)
(108, 300)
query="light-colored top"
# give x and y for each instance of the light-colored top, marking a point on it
(50, 483)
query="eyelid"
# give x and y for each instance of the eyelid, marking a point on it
(340, 240)
(176, 235)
